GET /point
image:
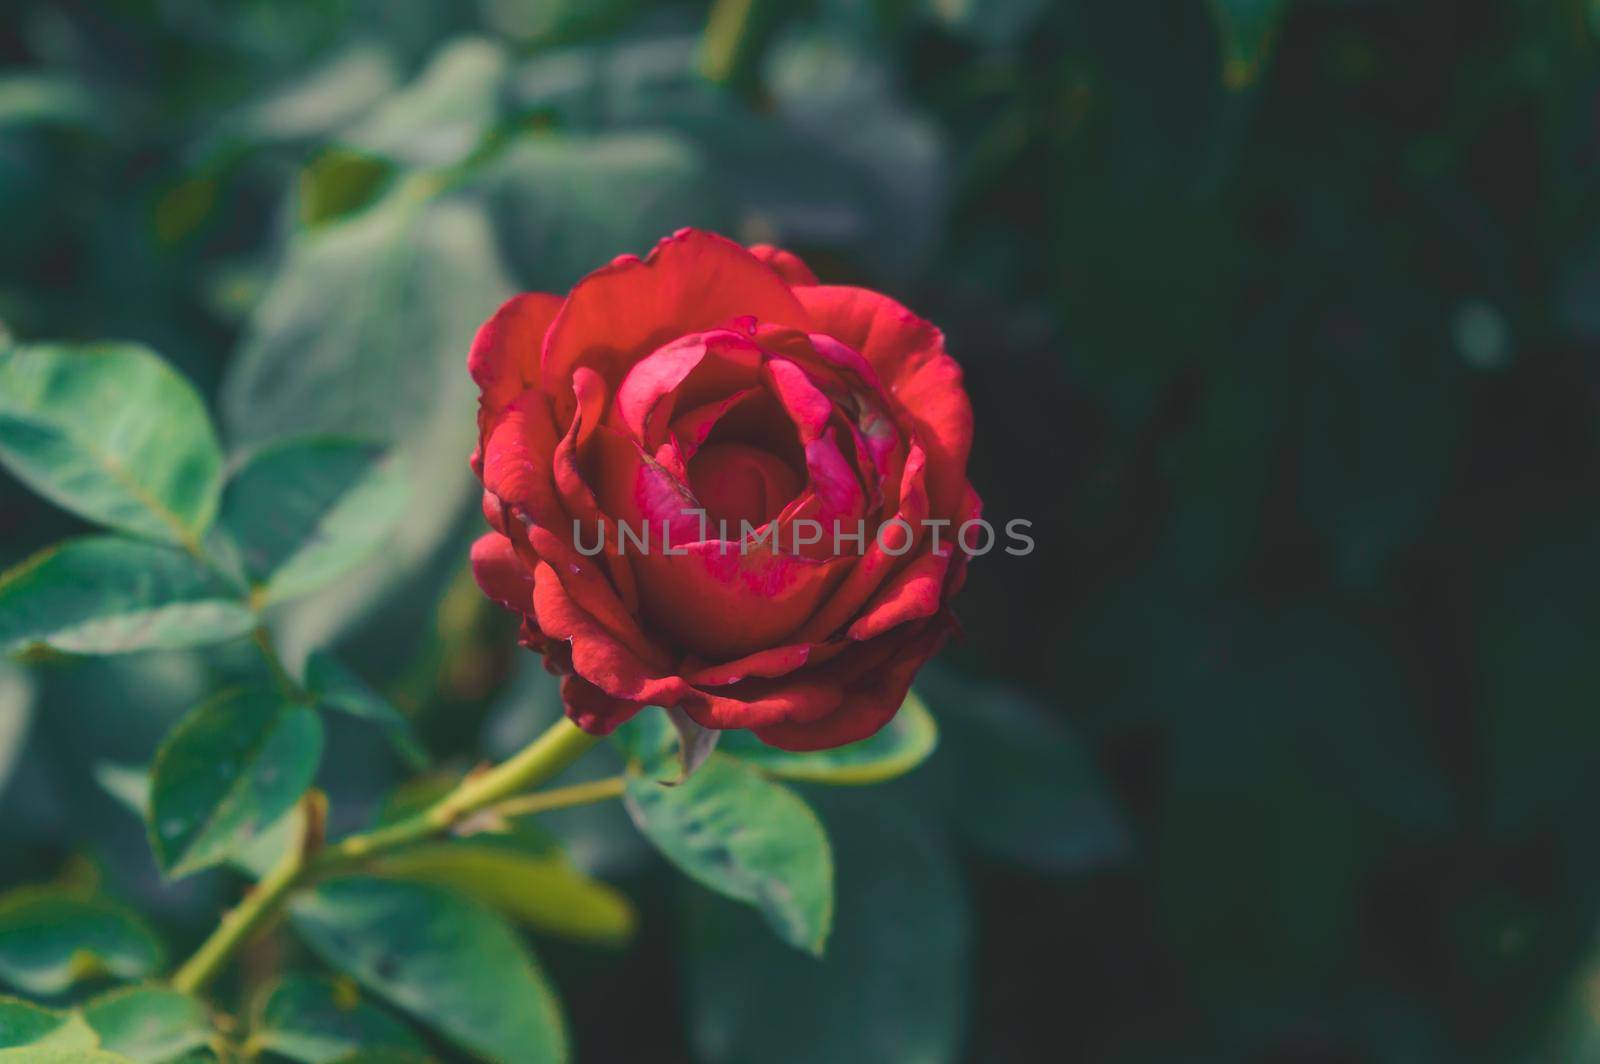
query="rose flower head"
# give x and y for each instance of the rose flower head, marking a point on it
(720, 487)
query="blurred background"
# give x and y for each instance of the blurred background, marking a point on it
(1280, 319)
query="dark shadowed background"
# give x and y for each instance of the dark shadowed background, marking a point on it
(1280, 320)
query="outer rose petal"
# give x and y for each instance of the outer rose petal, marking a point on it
(921, 588)
(504, 360)
(778, 661)
(786, 263)
(908, 355)
(515, 462)
(758, 703)
(592, 709)
(915, 591)
(597, 655)
(692, 281)
(873, 682)
(501, 574)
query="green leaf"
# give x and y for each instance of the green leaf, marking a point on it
(447, 960)
(317, 1020)
(747, 837)
(894, 985)
(336, 687)
(444, 114)
(148, 1024)
(107, 595)
(398, 285)
(26, 1024)
(112, 433)
(903, 744)
(226, 773)
(1018, 783)
(305, 511)
(51, 940)
(313, 105)
(131, 787)
(540, 889)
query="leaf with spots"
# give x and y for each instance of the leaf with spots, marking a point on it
(743, 835)
(447, 960)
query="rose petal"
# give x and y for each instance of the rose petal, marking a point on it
(717, 363)
(692, 281)
(592, 709)
(515, 464)
(778, 661)
(909, 357)
(786, 263)
(914, 592)
(757, 703)
(501, 574)
(690, 430)
(723, 604)
(505, 355)
(873, 683)
(884, 555)
(596, 654)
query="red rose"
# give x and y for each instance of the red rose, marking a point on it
(709, 384)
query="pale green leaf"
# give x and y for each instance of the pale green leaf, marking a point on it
(107, 595)
(542, 891)
(112, 433)
(307, 510)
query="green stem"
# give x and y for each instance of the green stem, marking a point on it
(238, 925)
(560, 745)
(560, 798)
